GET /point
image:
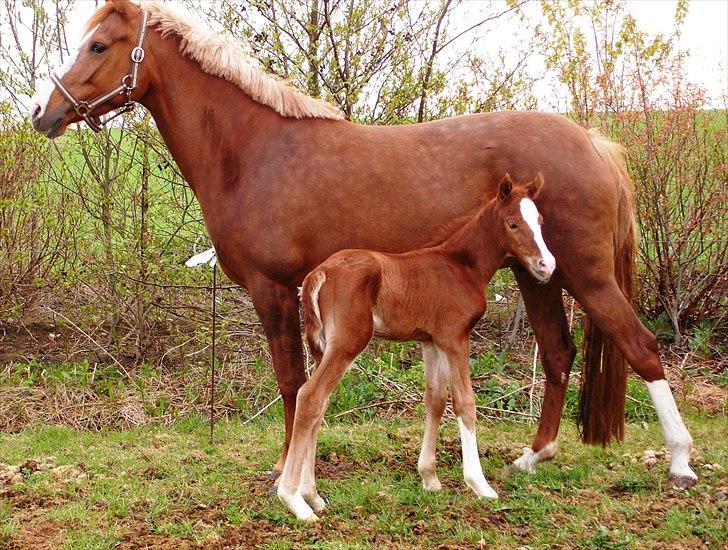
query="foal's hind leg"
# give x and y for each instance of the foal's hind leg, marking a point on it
(545, 308)
(354, 330)
(435, 402)
(464, 406)
(606, 305)
(308, 473)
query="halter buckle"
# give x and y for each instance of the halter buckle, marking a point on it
(83, 109)
(137, 54)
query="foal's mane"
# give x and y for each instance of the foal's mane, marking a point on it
(221, 56)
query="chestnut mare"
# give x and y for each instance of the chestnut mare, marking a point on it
(434, 296)
(276, 172)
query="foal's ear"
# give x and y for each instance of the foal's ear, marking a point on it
(505, 187)
(533, 188)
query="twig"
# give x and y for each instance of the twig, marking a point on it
(261, 411)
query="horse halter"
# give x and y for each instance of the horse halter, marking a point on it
(128, 84)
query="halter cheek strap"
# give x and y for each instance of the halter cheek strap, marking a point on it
(128, 84)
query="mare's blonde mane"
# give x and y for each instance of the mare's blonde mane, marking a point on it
(223, 57)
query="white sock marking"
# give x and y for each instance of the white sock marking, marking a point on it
(677, 438)
(530, 458)
(472, 470)
(296, 504)
(530, 215)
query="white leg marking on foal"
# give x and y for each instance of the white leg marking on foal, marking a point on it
(308, 479)
(296, 504)
(530, 458)
(472, 470)
(530, 215)
(677, 438)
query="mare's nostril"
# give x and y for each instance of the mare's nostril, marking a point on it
(541, 265)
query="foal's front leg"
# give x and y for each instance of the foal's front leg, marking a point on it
(464, 406)
(435, 401)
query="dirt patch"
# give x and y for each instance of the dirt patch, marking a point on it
(46, 340)
(334, 467)
(696, 390)
(39, 535)
(250, 534)
(140, 538)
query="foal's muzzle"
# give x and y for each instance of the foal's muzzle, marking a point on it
(541, 269)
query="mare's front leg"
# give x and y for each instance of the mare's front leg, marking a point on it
(277, 307)
(545, 308)
(463, 401)
(435, 402)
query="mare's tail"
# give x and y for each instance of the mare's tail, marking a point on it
(313, 325)
(604, 370)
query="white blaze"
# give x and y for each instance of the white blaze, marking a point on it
(530, 215)
(45, 89)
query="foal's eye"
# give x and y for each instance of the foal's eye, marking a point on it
(97, 47)
(513, 225)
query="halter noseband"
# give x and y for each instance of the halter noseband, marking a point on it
(128, 85)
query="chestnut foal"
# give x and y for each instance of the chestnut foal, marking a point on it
(435, 296)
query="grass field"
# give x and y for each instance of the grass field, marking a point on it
(167, 487)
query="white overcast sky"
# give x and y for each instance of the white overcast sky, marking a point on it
(704, 35)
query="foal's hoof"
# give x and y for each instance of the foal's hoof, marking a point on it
(431, 485)
(316, 503)
(273, 475)
(273, 491)
(683, 481)
(296, 504)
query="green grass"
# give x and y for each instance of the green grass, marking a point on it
(168, 485)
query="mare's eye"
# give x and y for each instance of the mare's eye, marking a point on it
(97, 47)
(513, 225)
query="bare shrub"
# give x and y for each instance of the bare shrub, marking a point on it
(29, 237)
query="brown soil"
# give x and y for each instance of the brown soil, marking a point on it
(43, 535)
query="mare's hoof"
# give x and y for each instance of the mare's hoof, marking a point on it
(682, 481)
(521, 466)
(273, 475)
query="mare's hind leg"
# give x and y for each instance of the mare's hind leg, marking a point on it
(435, 402)
(606, 305)
(545, 308)
(463, 403)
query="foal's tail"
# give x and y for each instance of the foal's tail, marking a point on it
(604, 370)
(313, 325)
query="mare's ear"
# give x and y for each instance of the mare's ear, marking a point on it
(533, 188)
(505, 187)
(124, 7)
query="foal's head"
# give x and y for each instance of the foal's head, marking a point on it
(519, 226)
(101, 64)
